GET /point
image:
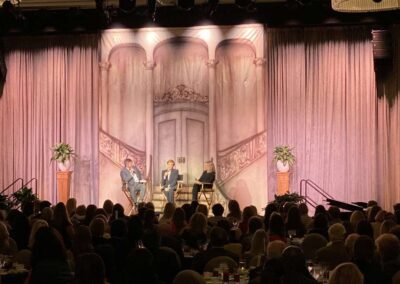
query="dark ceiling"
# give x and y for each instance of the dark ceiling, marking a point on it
(290, 13)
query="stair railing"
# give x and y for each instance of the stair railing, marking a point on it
(305, 185)
(13, 184)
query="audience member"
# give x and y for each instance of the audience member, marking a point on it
(271, 208)
(7, 245)
(235, 215)
(388, 247)
(276, 228)
(346, 273)
(195, 234)
(320, 225)
(108, 207)
(218, 212)
(71, 206)
(294, 226)
(89, 269)
(62, 223)
(169, 210)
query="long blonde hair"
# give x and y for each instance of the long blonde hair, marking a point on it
(346, 272)
(258, 242)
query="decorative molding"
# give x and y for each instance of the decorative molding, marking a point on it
(181, 93)
(212, 63)
(117, 151)
(238, 157)
(259, 61)
(149, 65)
(105, 65)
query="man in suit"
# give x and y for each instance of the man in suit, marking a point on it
(169, 180)
(132, 176)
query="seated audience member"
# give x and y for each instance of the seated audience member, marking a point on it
(294, 224)
(335, 252)
(275, 249)
(218, 211)
(395, 231)
(20, 228)
(62, 223)
(196, 232)
(139, 268)
(305, 219)
(376, 224)
(356, 217)
(372, 212)
(248, 212)
(218, 238)
(349, 244)
(255, 223)
(320, 226)
(346, 273)
(90, 214)
(47, 215)
(118, 213)
(365, 228)
(178, 222)
(7, 245)
(79, 216)
(89, 269)
(37, 224)
(276, 228)
(320, 209)
(334, 215)
(108, 206)
(135, 231)
(97, 227)
(71, 206)
(189, 211)
(82, 242)
(295, 269)
(271, 208)
(49, 259)
(234, 214)
(150, 206)
(169, 210)
(257, 248)
(166, 261)
(388, 247)
(386, 226)
(201, 208)
(364, 249)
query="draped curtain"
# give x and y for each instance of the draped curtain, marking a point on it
(50, 96)
(322, 101)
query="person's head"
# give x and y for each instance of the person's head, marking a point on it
(365, 228)
(388, 247)
(386, 226)
(248, 212)
(201, 208)
(356, 217)
(294, 217)
(90, 269)
(169, 210)
(198, 223)
(60, 215)
(44, 204)
(303, 208)
(294, 260)
(90, 213)
(320, 221)
(188, 211)
(118, 209)
(276, 225)
(346, 272)
(334, 212)
(234, 209)
(320, 209)
(128, 163)
(209, 167)
(372, 213)
(97, 227)
(150, 206)
(179, 218)
(218, 237)
(217, 210)
(108, 206)
(271, 208)
(275, 249)
(349, 243)
(255, 223)
(336, 232)
(364, 248)
(37, 224)
(71, 206)
(135, 228)
(82, 240)
(47, 214)
(170, 164)
(118, 228)
(380, 216)
(258, 242)
(395, 231)
(48, 245)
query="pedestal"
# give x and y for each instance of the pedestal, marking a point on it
(63, 186)
(283, 183)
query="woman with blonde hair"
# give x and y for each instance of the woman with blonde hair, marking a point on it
(346, 272)
(178, 222)
(7, 245)
(62, 223)
(71, 206)
(356, 217)
(37, 224)
(207, 178)
(257, 245)
(196, 233)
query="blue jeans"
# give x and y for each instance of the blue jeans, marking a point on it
(170, 195)
(135, 189)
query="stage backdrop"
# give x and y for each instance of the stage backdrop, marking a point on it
(190, 95)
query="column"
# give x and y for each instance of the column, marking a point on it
(104, 68)
(63, 185)
(260, 62)
(212, 124)
(282, 183)
(149, 67)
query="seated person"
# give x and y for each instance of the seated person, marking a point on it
(208, 176)
(132, 176)
(169, 180)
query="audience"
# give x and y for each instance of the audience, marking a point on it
(73, 243)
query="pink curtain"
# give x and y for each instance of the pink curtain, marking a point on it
(322, 101)
(50, 96)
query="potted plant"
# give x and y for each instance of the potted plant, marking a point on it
(284, 158)
(62, 153)
(294, 198)
(23, 196)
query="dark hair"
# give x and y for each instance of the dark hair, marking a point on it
(135, 229)
(151, 240)
(60, 216)
(218, 209)
(320, 221)
(365, 228)
(255, 223)
(320, 209)
(218, 237)
(82, 242)
(364, 248)
(89, 269)
(100, 211)
(372, 213)
(48, 245)
(294, 222)
(276, 225)
(334, 212)
(90, 213)
(44, 204)
(234, 210)
(271, 208)
(179, 219)
(188, 211)
(118, 228)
